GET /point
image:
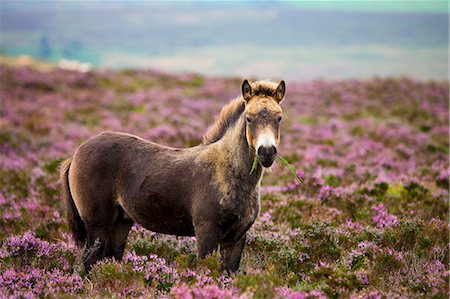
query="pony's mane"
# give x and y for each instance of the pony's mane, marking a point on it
(264, 88)
(231, 112)
(227, 117)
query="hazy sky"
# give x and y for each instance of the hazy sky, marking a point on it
(282, 39)
(378, 5)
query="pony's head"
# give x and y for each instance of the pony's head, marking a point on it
(263, 115)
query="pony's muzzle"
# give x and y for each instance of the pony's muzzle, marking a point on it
(267, 155)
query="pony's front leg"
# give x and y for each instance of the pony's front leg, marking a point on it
(207, 236)
(231, 255)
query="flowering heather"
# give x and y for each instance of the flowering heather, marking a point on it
(184, 291)
(382, 218)
(370, 219)
(31, 282)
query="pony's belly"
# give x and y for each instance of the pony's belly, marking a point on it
(163, 217)
(172, 227)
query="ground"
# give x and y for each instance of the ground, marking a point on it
(370, 219)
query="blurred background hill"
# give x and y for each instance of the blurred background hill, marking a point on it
(290, 40)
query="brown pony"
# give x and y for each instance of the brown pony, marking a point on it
(208, 191)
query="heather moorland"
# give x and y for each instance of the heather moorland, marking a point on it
(370, 219)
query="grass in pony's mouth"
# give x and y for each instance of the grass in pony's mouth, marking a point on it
(282, 162)
(255, 163)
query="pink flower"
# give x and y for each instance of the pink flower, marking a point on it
(211, 291)
(287, 293)
(382, 218)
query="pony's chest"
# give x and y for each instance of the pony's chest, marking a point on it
(238, 214)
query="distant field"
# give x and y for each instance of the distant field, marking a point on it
(370, 220)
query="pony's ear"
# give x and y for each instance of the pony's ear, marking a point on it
(279, 93)
(246, 90)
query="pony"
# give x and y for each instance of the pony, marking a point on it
(210, 191)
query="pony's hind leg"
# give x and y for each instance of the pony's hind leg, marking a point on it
(99, 235)
(107, 240)
(120, 231)
(98, 245)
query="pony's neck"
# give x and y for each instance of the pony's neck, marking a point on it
(239, 154)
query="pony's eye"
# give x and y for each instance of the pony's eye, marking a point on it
(248, 119)
(279, 118)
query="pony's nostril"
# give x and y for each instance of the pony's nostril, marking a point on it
(267, 152)
(261, 151)
(273, 150)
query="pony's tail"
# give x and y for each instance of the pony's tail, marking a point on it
(76, 225)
